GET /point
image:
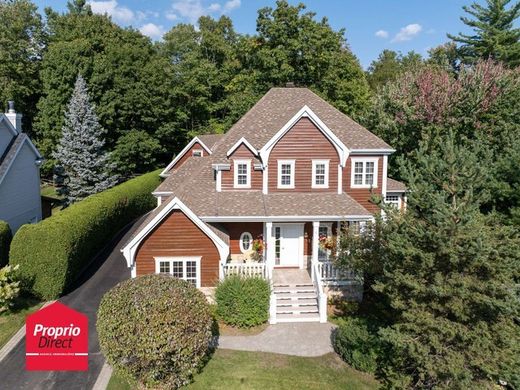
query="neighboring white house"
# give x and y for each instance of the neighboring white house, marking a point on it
(20, 162)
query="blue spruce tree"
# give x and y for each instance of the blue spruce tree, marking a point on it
(83, 166)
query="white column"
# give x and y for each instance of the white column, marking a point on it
(315, 242)
(269, 256)
(219, 180)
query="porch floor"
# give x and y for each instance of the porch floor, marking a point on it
(291, 276)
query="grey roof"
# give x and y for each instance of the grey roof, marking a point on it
(395, 186)
(10, 153)
(210, 139)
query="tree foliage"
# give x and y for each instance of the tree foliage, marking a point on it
(22, 40)
(389, 65)
(494, 36)
(82, 164)
(449, 274)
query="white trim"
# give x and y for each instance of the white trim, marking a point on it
(372, 151)
(340, 179)
(364, 160)
(130, 249)
(10, 126)
(240, 244)
(161, 193)
(287, 218)
(184, 260)
(265, 178)
(165, 173)
(219, 181)
(221, 167)
(292, 163)
(240, 142)
(31, 146)
(236, 163)
(385, 174)
(326, 181)
(305, 111)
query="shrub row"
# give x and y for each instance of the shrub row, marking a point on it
(5, 241)
(53, 252)
(357, 343)
(243, 302)
(156, 330)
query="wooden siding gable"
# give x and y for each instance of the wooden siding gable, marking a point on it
(184, 154)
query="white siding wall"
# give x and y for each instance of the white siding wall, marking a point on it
(20, 200)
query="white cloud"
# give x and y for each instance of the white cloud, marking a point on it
(192, 10)
(152, 30)
(381, 34)
(119, 13)
(231, 5)
(408, 32)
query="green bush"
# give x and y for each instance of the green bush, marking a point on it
(243, 302)
(9, 287)
(357, 344)
(54, 251)
(5, 241)
(156, 330)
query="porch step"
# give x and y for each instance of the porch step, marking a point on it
(296, 302)
(298, 295)
(294, 289)
(296, 309)
(304, 317)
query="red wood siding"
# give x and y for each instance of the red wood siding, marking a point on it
(303, 143)
(236, 229)
(242, 152)
(177, 235)
(363, 195)
(188, 155)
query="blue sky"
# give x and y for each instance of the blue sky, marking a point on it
(371, 25)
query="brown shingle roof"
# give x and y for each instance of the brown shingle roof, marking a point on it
(210, 139)
(394, 185)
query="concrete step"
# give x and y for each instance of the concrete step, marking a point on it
(304, 317)
(294, 289)
(298, 295)
(296, 309)
(293, 285)
(296, 303)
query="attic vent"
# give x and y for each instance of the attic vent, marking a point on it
(290, 84)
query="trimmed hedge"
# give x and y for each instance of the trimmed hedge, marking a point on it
(357, 344)
(54, 251)
(5, 241)
(243, 302)
(155, 329)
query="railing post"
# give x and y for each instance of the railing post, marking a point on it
(272, 309)
(323, 308)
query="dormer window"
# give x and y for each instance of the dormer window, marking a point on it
(320, 173)
(364, 173)
(242, 169)
(286, 173)
(196, 152)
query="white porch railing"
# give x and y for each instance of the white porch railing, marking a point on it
(245, 269)
(331, 275)
(322, 297)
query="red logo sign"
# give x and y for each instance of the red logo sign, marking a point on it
(56, 338)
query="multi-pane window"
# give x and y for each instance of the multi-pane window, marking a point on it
(323, 232)
(242, 173)
(285, 173)
(246, 241)
(364, 173)
(392, 200)
(196, 153)
(186, 268)
(320, 173)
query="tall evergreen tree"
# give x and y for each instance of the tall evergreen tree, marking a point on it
(83, 166)
(494, 35)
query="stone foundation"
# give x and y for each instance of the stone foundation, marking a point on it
(350, 292)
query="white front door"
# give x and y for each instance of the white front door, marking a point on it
(288, 245)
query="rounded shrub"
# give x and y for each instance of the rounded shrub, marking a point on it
(54, 252)
(243, 301)
(156, 330)
(357, 344)
(5, 242)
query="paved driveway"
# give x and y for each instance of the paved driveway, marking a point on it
(108, 269)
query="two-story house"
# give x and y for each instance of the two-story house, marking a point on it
(20, 162)
(291, 170)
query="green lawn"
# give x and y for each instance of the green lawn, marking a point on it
(257, 370)
(12, 321)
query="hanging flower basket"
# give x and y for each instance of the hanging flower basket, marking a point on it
(327, 243)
